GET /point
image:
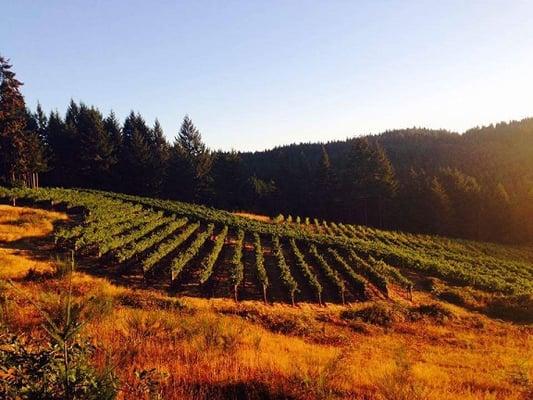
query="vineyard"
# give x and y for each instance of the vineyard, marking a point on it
(200, 250)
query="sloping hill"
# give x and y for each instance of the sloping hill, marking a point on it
(203, 251)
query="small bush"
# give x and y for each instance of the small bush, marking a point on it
(434, 311)
(380, 314)
(512, 308)
(453, 297)
(28, 371)
(428, 284)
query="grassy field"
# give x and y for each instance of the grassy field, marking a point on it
(163, 346)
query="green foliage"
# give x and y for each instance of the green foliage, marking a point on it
(181, 261)
(333, 276)
(127, 226)
(306, 271)
(167, 247)
(380, 314)
(286, 277)
(357, 282)
(262, 276)
(29, 371)
(373, 275)
(60, 369)
(237, 266)
(209, 262)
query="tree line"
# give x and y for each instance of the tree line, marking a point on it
(478, 185)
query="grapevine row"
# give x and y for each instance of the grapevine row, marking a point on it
(285, 273)
(209, 262)
(181, 261)
(237, 266)
(306, 271)
(167, 247)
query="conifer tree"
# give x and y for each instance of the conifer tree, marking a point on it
(325, 187)
(190, 165)
(96, 149)
(114, 132)
(368, 181)
(159, 159)
(13, 143)
(230, 182)
(135, 155)
(442, 211)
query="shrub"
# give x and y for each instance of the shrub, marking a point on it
(512, 308)
(376, 314)
(34, 372)
(452, 296)
(434, 311)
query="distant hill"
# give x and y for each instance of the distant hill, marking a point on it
(486, 171)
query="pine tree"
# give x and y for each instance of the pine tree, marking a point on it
(368, 182)
(135, 155)
(114, 132)
(159, 159)
(65, 147)
(35, 149)
(14, 164)
(190, 165)
(96, 149)
(325, 187)
(442, 211)
(230, 181)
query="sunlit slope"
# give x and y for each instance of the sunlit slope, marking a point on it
(213, 252)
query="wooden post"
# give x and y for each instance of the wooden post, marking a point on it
(265, 294)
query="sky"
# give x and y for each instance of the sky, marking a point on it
(256, 74)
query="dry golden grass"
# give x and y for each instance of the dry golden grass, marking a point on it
(20, 222)
(207, 349)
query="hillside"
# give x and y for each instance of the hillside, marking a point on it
(475, 185)
(205, 252)
(431, 345)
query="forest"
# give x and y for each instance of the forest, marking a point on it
(475, 185)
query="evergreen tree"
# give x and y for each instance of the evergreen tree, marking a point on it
(368, 182)
(190, 165)
(41, 123)
(35, 149)
(159, 159)
(59, 147)
(96, 159)
(442, 213)
(114, 132)
(230, 182)
(465, 196)
(325, 188)
(14, 164)
(135, 156)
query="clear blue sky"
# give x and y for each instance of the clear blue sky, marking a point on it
(255, 74)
